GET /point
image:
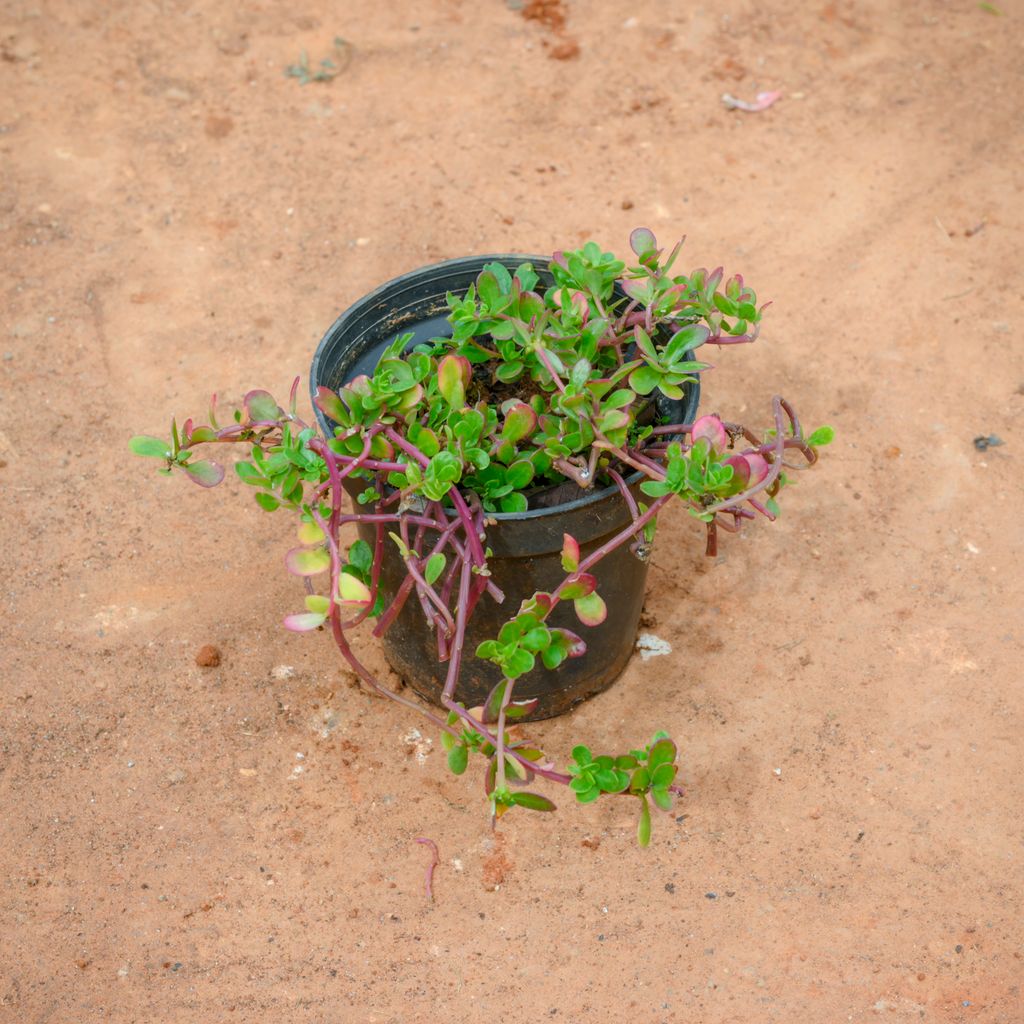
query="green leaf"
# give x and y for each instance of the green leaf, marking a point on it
(553, 656)
(488, 649)
(360, 556)
(519, 663)
(250, 475)
(458, 759)
(581, 755)
(509, 372)
(662, 752)
(821, 436)
(434, 567)
(536, 639)
(519, 474)
(643, 828)
(644, 379)
(663, 798)
(514, 504)
(534, 801)
(526, 277)
(726, 306)
(580, 373)
(619, 399)
(268, 502)
(588, 796)
(150, 447)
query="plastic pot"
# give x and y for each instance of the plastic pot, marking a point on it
(526, 546)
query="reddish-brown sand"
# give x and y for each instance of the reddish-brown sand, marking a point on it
(179, 217)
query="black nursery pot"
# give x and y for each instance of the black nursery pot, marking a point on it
(526, 546)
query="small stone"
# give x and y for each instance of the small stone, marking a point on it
(670, 887)
(983, 443)
(627, 204)
(565, 51)
(233, 44)
(711, 895)
(208, 656)
(591, 842)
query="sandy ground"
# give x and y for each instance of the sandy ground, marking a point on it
(178, 217)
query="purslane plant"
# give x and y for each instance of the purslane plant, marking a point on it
(533, 389)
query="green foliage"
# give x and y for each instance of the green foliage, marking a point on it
(641, 773)
(327, 69)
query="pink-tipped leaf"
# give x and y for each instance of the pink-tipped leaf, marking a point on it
(591, 610)
(204, 473)
(711, 428)
(570, 553)
(262, 408)
(306, 561)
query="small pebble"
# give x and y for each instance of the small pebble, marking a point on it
(983, 443)
(670, 887)
(208, 656)
(711, 895)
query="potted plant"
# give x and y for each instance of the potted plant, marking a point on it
(507, 431)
